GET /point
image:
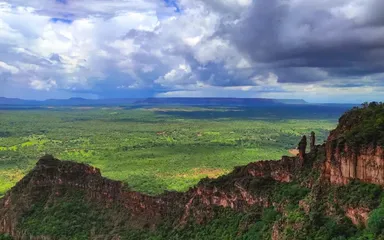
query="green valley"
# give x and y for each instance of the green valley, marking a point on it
(155, 149)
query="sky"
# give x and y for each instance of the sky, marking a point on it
(318, 50)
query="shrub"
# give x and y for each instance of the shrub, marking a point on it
(5, 237)
(376, 221)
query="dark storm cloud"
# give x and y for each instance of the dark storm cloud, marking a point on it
(299, 39)
(300, 74)
(194, 48)
(215, 75)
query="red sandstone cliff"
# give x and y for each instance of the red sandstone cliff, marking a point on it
(246, 186)
(346, 161)
(52, 178)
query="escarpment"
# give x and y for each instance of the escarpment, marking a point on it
(55, 177)
(52, 179)
(354, 150)
(303, 191)
(345, 163)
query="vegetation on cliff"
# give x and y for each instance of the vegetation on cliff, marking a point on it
(72, 218)
(5, 237)
(291, 199)
(67, 217)
(305, 208)
(364, 125)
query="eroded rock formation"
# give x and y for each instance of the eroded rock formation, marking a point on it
(313, 142)
(55, 177)
(345, 161)
(359, 216)
(302, 148)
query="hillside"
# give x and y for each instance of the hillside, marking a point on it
(332, 192)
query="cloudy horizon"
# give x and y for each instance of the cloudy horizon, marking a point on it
(319, 50)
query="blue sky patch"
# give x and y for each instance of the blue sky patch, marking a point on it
(62, 1)
(62, 20)
(174, 4)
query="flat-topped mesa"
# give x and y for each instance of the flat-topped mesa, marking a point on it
(302, 147)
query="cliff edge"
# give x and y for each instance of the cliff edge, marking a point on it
(336, 183)
(354, 150)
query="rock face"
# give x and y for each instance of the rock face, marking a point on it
(353, 149)
(345, 162)
(302, 148)
(313, 142)
(54, 177)
(358, 216)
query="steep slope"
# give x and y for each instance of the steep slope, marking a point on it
(52, 180)
(355, 148)
(316, 195)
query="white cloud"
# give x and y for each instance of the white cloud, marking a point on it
(43, 85)
(4, 67)
(143, 44)
(177, 77)
(270, 80)
(126, 47)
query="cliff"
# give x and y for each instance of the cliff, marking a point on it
(287, 199)
(52, 178)
(354, 150)
(345, 163)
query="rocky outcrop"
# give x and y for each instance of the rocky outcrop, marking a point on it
(53, 177)
(353, 149)
(359, 216)
(281, 171)
(302, 148)
(345, 163)
(235, 191)
(336, 162)
(313, 141)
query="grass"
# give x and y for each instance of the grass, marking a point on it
(152, 149)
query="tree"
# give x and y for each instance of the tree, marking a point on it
(376, 221)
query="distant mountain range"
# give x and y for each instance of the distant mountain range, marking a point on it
(219, 101)
(66, 102)
(150, 101)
